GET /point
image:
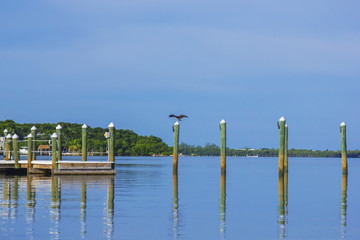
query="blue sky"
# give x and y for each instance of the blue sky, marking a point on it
(135, 62)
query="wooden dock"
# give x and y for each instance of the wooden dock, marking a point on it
(63, 167)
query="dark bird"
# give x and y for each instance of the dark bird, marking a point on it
(278, 125)
(178, 117)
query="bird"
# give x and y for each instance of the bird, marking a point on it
(178, 117)
(278, 125)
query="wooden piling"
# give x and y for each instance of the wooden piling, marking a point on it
(53, 151)
(176, 146)
(112, 142)
(84, 143)
(58, 132)
(223, 146)
(29, 156)
(33, 133)
(343, 147)
(281, 145)
(286, 149)
(7, 155)
(5, 134)
(16, 150)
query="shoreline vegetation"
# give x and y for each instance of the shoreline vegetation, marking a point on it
(128, 143)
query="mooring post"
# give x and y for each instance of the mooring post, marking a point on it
(286, 149)
(343, 147)
(281, 145)
(7, 155)
(84, 142)
(176, 147)
(33, 133)
(53, 151)
(58, 132)
(16, 150)
(30, 140)
(112, 142)
(223, 146)
(5, 134)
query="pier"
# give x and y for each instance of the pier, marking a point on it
(55, 165)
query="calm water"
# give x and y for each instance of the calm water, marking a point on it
(145, 201)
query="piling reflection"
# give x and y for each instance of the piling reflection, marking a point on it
(83, 209)
(55, 207)
(17, 189)
(110, 208)
(283, 199)
(222, 205)
(343, 204)
(175, 209)
(30, 206)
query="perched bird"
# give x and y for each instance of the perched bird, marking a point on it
(278, 125)
(178, 117)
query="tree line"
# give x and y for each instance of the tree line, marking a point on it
(128, 143)
(213, 150)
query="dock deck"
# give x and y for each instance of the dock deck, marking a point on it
(63, 167)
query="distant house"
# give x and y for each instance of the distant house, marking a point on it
(44, 149)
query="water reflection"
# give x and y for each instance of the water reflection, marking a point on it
(26, 195)
(343, 204)
(283, 200)
(222, 205)
(175, 206)
(109, 230)
(30, 206)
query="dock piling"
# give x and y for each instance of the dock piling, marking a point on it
(30, 140)
(281, 145)
(16, 150)
(223, 146)
(58, 132)
(176, 146)
(112, 142)
(5, 134)
(343, 148)
(33, 133)
(7, 155)
(84, 143)
(53, 151)
(286, 149)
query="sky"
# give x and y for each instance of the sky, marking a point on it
(134, 62)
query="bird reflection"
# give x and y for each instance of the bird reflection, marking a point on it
(343, 204)
(222, 205)
(283, 199)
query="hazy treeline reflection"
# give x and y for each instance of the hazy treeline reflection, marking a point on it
(11, 187)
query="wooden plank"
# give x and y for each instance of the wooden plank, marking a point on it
(86, 172)
(85, 165)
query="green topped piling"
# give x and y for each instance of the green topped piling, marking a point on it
(53, 153)
(84, 143)
(281, 145)
(7, 155)
(343, 147)
(30, 140)
(223, 146)
(112, 142)
(16, 150)
(58, 132)
(176, 147)
(33, 133)
(286, 149)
